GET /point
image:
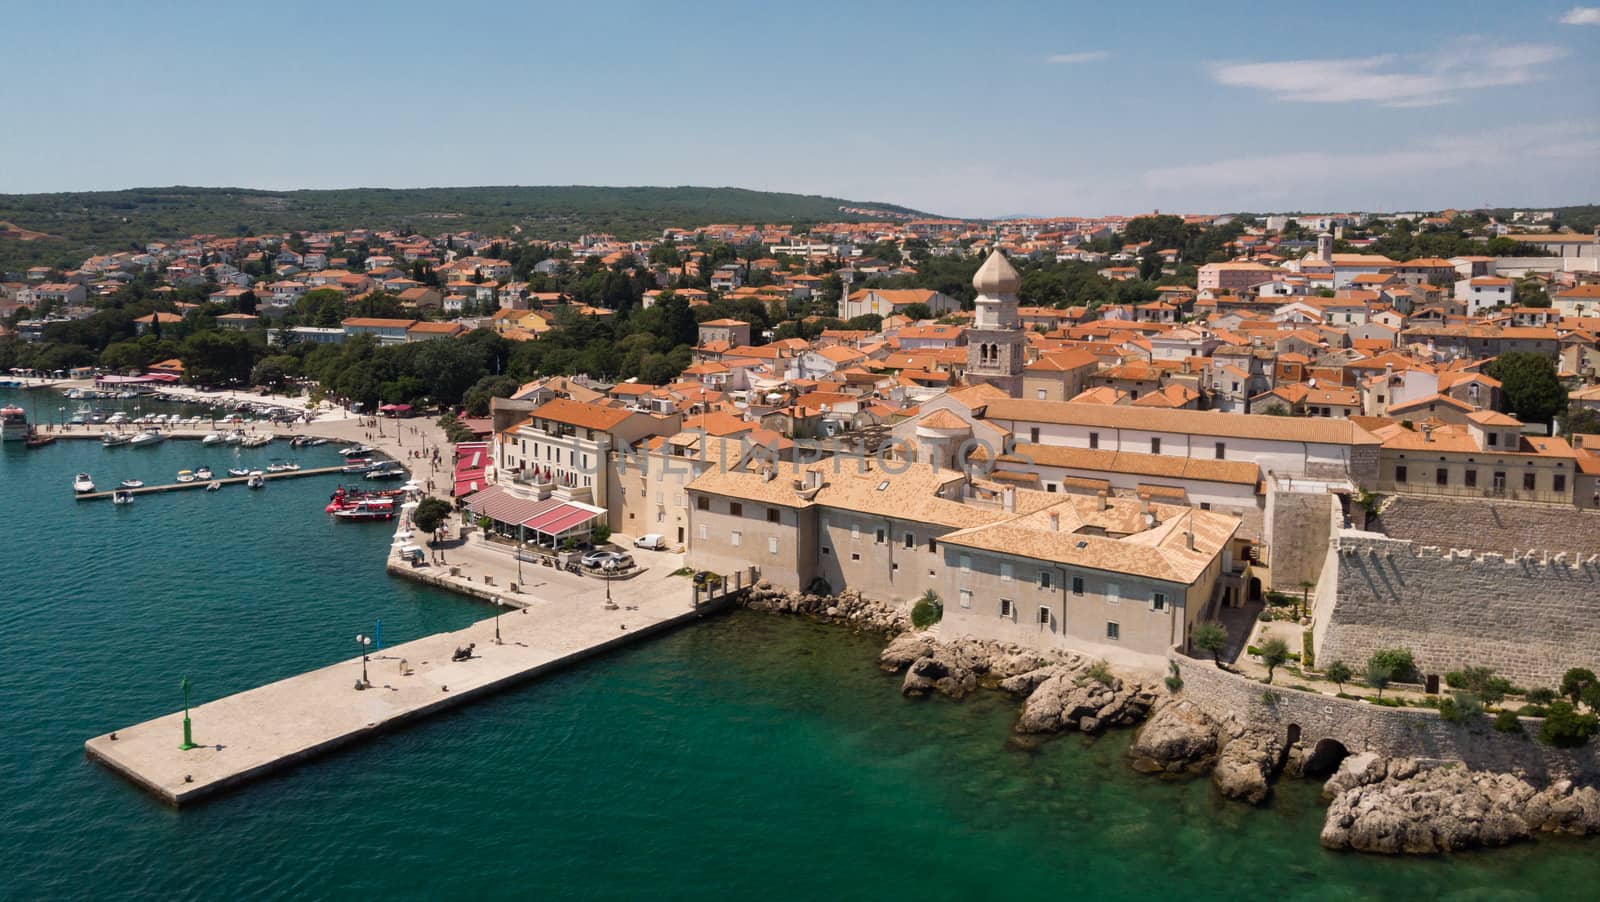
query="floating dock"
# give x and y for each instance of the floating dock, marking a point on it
(202, 483)
(254, 733)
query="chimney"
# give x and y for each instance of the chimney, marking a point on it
(1105, 499)
(813, 479)
(1055, 521)
(1008, 498)
(1427, 432)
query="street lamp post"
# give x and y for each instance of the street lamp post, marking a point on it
(363, 642)
(498, 604)
(188, 738)
(522, 542)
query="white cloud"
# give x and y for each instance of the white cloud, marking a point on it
(1082, 56)
(1395, 80)
(1582, 15)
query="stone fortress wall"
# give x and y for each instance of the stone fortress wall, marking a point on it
(1390, 732)
(1529, 615)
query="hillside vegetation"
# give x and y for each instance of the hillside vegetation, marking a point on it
(109, 221)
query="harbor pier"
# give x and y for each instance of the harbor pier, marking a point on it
(257, 732)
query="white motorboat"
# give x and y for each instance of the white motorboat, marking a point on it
(256, 441)
(256, 480)
(186, 476)
(147, 438)
(214, 438)
(113, 440)
(82, 484)
(355, 451)
(133, 483)
(234, 438)
(213, 486)
(238, 471)
(121, 496)
(202, 473)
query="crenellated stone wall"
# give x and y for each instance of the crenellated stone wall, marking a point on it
(1390, 732)
(1530, 615)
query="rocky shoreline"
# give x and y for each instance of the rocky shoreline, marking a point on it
(1376, 805)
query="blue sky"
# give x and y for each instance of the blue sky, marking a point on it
(957, 108)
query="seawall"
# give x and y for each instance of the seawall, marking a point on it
(1390, 732)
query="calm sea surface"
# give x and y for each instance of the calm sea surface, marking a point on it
(747, 756)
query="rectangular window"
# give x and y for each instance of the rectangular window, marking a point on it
(1044, 579)
(1400, 473)
(855, 556)
(1441, 476)
(1155, 446)
(1005, 573)
(1472, 479)
(735, 508)
(1044, 615)
(1113, 593)
(1113, 630)
(1094, 440)
(1499, 480)
(1038, 393)
(933, 545)
(734, 538)
(911, 541)
(1033, 434)
(827, 550)
(1007, 609)
(965, 597)
(1205, 505)
(1222, 450)
(966, 564)
(1558, 482)
(772, 545)
(1158, 601)
(702, 503)
(855, 532)
(772, 515)
(881, 536)
(1494, 439)
(1528, 481)
(1077, 585)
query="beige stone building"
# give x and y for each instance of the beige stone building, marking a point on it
(1121, 577)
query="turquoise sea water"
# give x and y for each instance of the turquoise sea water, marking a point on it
(750, 755)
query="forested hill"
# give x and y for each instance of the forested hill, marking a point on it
(80, 223)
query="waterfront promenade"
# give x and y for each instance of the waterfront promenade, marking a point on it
(251, 734)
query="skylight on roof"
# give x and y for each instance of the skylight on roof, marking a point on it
(883, 485)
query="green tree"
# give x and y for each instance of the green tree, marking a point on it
(1529, 386)
(1398, 660)
(430, 514)
(1580, 421)
(1211, 637)
(1482, 683)
(1339, 672)
(1274, 652)
(1379, 673)
(1576, 682)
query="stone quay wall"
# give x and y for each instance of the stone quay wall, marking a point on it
(1530, 616)
(1390, 732)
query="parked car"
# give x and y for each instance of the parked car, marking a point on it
(595, 560)
(654, 541)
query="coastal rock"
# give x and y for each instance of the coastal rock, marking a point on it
(1246, 765)
(1410, 810)
(847, 607)
(1064, 697)
(943, 671)
(905, 648)
(1179, 738)
(1563, 807)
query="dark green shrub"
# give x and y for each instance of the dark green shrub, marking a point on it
(1541, 696)
(1307, 656)
(1565, 728)
(819, 586)
(1449, 711)
(1174, 679)
(1507, 722)
(1399, 661)
(1252, 650)
(1101, 672)
(1575, 681)
(928, 610)
(1532, 711)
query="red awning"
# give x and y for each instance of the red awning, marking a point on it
(558, 520)
(472, 460)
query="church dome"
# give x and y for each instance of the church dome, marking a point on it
(996, 277)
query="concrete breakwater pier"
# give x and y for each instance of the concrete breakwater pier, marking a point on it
(254, 733)
(202, 483)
